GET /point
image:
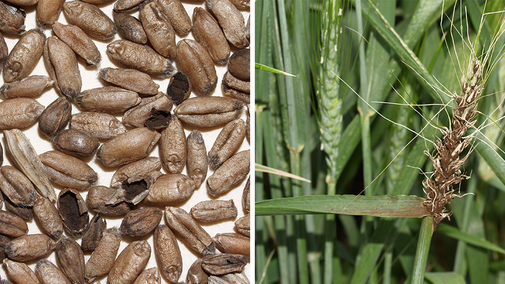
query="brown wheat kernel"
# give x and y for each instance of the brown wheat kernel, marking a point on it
(68, 171)
(19, 113)
(137, 115)
(90, 19)
(167, 253)
(221, 264)
(233, 243)
(194, 61)
(107, 99)
(149, 276)
(78, 41)
(48, 273)
(17, 187)
(24, 56)
(196, 275)
(12, 225)
(55, 117)
(229, 175)
(76, 143)
(130, 79)
(170, 189)
(93, 233)
(227, 143)
(102, 258)
(20, 272)
(209, 111)
(231, 20)
(47, 217)
(140, 222)
(197, 160)
(24, 212)
(214, 211)
(159, 31)
(29, 247)
(48, 11)
(173, 147)
(177, 16)
(129, 28)
(97, 198)
(12, 19)
(130, 262)
(102, 126)
(208, 33)
(70, 260)
(29, 87)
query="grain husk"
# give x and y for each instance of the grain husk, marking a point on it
(48, 273)
(229, 175)
(26, 159)
(170, 189)
(55, 117)
(90, 19)
(108, 99)
(197, 160)
(48, 11)
(47, 217)
(68, 171)
(102, 126)
(19, 113)
(63, 68)
(129, 28)
(29, 87)
(24, 56)
(227, 143)
(195, 62)
(76, 143)
(159, 31)
(17, 187)
(97, 198)
(140, 169)
(209, 111)
(179, 88)
(102, 258)
(177, 15)
(70, 260)
(130, 79)
(128, 147)
(29, 247)
(93, 233)
(140, 57)
(208, 33)
(78, 41)
(130, 262)
(167, 253)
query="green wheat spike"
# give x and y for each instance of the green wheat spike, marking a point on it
(329, 85)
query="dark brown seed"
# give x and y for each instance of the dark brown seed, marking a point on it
(130, 262)
(229, 175)
(55, 117)
(24, 212)
(76, 143)
(97, 198)
(167, 252)
(188, 231)
(194, 61)
(102, 258)
(214, 211)
(93, 233)
(239, 63)
(48, 11)
(233, 243)
(177, 15)
(179, 88)
(231, 20)
(90, 19)
(208, 33)
(29, 87)
(128, 147)
(140, 57)
(70, 260)
(130, 79)
(196, 275)
(158, 120)
(17, 187)
(102, 126)
(73, 212)
(159, 31)
(62, 65)
(47, 217)
(149, 276)
(227, 143)
(246, 198)
(12, 225)
(170, 189)
(129, 27)
(48, 273)
(243, 225)
(236, 88)
(68, 171)
(220, 264)
(198, 163)
(19, 113)
(140, 222)
(173, 147)
(20, 272)
(29, 247)
(209, 111)
(12, 19)
(79, 41)
(108, 99)
(137, 116)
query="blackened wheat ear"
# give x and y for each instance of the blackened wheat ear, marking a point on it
(439, 188)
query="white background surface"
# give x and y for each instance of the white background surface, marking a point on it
(90, 80)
